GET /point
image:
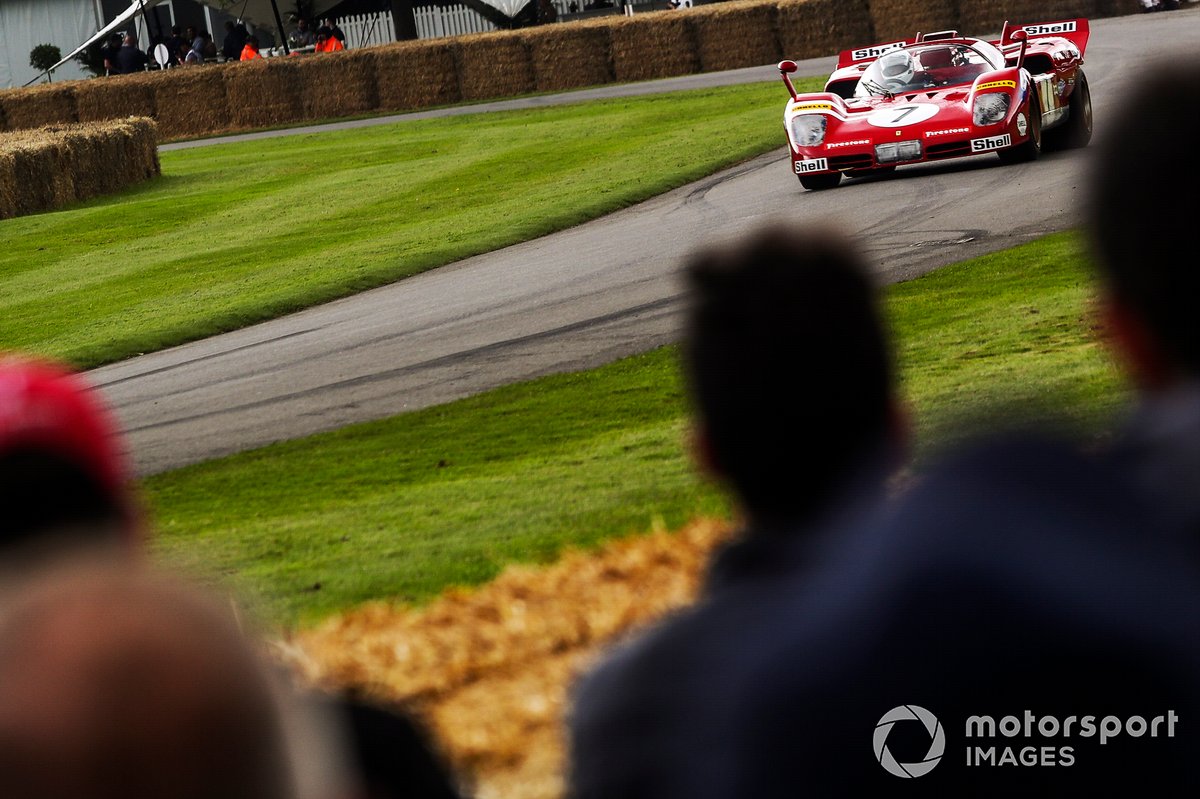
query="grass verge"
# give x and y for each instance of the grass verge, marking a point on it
(238, 233)
(409, 505)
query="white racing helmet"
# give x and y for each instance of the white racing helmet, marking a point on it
(897, 67)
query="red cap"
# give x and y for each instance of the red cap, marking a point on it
(46, 406)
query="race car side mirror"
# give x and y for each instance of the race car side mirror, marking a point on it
(1021, 36)
(786, 68)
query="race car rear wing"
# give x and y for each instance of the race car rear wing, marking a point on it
(1075, 30)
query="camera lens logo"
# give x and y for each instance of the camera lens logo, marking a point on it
(937, 742)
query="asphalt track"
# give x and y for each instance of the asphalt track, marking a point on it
(589, 295)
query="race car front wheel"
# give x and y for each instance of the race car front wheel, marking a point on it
(826, 180)
(1031, 148)
(1077, 130)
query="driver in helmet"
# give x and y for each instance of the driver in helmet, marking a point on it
(897, 69)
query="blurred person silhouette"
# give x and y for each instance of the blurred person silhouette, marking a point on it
(1025, 577)
(115, 682)
(796, 412)
(1141, 240)
(250, 50)
(130, 58)
(64, 478)
(234, 41)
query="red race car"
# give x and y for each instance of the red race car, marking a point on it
(941, 96)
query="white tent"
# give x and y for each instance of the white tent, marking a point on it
(261, 12)
(26, 25)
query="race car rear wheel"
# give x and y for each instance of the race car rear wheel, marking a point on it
(826, 180)
(1077, 130)
(1031, 148)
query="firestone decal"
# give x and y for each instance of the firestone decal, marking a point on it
(1044, 30)
(996, 84)
(814, 165)
(929, 134)
(874, 52)
(990, 143)
(846, 143)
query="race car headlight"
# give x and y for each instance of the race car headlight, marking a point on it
(808, 130)
(991, 108)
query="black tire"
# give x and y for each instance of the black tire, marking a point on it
(1031, 148)
(825, 180)
(1077, 130)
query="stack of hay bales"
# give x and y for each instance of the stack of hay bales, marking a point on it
(493, 65)
(50, 167)
(902, 19)
(570, 56)
(815, 28)
(735, 34)
(188, 101)
(114, 98)
(660, 44)
(38, 106)
(264, 93)
(338, 84)
(412, 75)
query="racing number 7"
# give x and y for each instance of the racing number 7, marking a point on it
(903, 113)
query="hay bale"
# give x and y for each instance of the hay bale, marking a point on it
(37, 106)
(660, 44)
(51, 167)
(902, 19)
(265, 92)
(570, 56)
(493, 65)
(416, 74)
(986, 17)
(188, 101)
(735, 34)
(338, 84)
(815, 28)
(115, 97)
(8, 185)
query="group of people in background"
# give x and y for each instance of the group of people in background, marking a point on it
(192, 46)
(1022, 575)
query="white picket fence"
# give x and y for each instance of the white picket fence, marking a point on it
(368, 30)
(365, 30)
(435, 21)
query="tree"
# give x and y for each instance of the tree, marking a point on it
(44, 56)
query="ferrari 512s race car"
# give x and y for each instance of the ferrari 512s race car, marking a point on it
(939, 96)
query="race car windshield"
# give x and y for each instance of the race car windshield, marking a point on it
(930, 66)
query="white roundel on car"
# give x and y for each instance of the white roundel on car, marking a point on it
(897, 116)
(1022, 124)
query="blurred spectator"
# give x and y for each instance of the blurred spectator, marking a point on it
(796, 411)
(393, 755)
(235, 41)
(335, 31)
(177, 45)
(64, 482)
(130, 57)
(115, 683)
(302, 36)
(112, 45)
(209, 47)
(250, 51)
(328, 44)
(1140, 241)
(1022, 577)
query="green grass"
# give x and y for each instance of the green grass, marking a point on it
(237, 233)
(407, 506)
